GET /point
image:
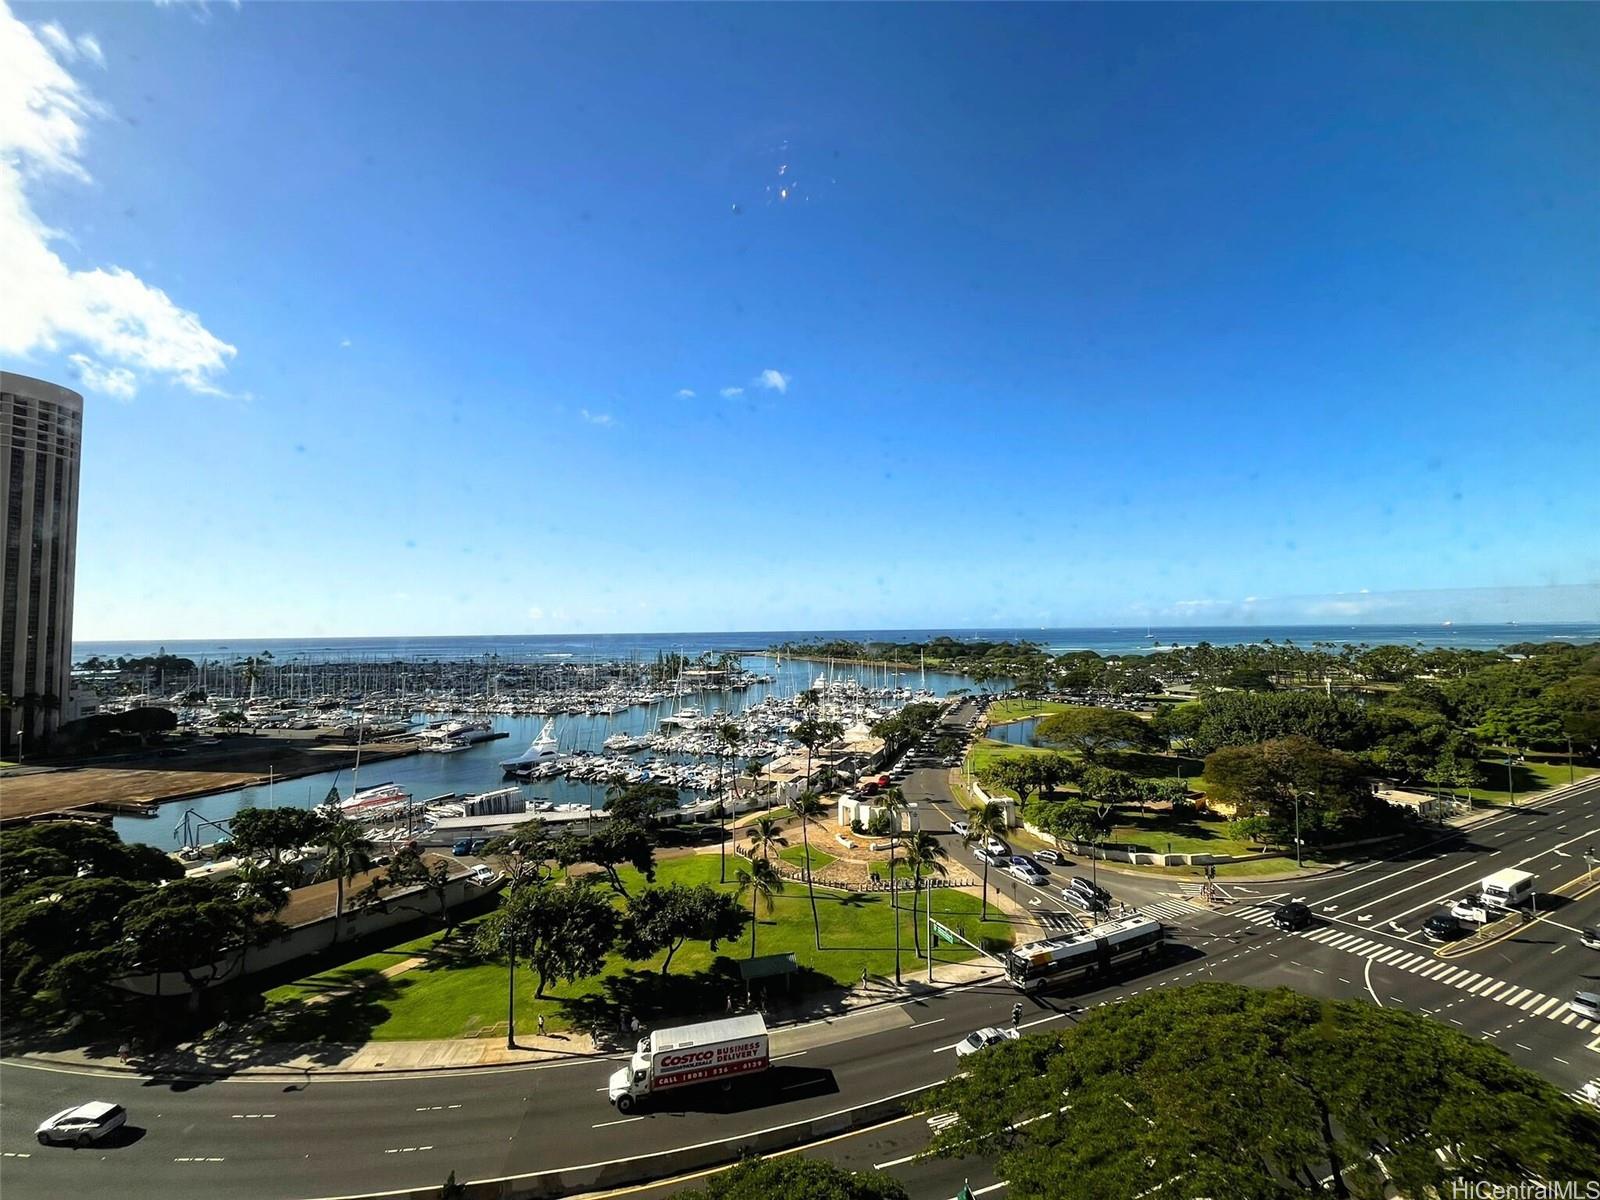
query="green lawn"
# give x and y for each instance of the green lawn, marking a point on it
(1161, 833)
(795, 856)
(987, 751)
(1530, 778)
(457, 994)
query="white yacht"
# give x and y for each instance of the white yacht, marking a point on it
(684, 718)
(541, 749)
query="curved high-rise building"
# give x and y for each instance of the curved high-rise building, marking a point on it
(41, 426)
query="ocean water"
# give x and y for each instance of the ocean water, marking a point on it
(645, 646)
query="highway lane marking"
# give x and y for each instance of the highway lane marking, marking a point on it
(1370, 988)
(254, 1116)
(624, 1121)
(14, 1154)
(678, 1179)
(448, 1107)
(408, 1150)
(925, 1024)
(195, 1160)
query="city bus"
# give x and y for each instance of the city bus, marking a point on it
(1080, 956)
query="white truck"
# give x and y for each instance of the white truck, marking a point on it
(713, 1051)
(1506, 889)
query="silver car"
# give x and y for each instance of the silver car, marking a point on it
(983, 1038)
(82, 1125)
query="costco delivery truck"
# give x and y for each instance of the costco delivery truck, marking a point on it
(711, 1052)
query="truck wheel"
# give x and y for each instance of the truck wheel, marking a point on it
(624, 1104)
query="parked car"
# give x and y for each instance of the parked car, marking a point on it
(462, 846)
(483, 875)
(982, 1039)
(82, 1125)
(1586, 1004)
(1442, 927)
(1470, 908)
(1053, 857)
(1291, 917)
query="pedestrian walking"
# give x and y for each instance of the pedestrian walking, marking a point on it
(863, 979)
(122, 1052)
(635, 1026)
(541, 1024)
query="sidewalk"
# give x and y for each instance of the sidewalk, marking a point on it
(217, 1058)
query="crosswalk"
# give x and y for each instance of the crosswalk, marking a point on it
(1171, 910)
(1435, 970)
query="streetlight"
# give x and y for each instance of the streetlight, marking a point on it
(1511, 783)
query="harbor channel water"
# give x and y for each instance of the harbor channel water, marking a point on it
(477, 769)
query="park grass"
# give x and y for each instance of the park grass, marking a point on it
(1162, 833)
(986, 752)
(456, 993)
(1530, 778)
(795, 856)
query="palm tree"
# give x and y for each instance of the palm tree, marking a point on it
(763, 883)
(765, 836)
(251, 674)
(984, 821)
(348, 853)
(808, 807)
(925, 856)
(893, 805)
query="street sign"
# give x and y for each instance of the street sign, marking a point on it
(942, 933)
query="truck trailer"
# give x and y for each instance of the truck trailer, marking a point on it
(710, 1052)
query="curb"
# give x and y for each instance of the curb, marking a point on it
(270, 1073)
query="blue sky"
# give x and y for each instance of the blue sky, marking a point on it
(1042, 315)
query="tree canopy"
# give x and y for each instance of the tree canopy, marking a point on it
(1257, 1095)
(562, 932)
(1090, 731)
(794, 1177)
(664, 918)
(58, 849)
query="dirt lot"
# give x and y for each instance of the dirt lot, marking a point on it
(200, 770)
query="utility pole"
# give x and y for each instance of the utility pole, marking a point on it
(1511, 783)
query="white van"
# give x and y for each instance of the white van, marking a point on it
(1507, 889)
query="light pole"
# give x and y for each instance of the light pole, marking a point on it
(1296, 794)
(1511, 783)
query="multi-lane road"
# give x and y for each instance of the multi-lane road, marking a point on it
(327, 1136)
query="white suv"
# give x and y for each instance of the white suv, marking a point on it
(81, 1125)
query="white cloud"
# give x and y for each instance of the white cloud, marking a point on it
(344, 343)
(684, 393)
(595, 418)
(730, 393)
(535, 613)
(122, 328)
(774, 381)
(69, 49)
(117, 382)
